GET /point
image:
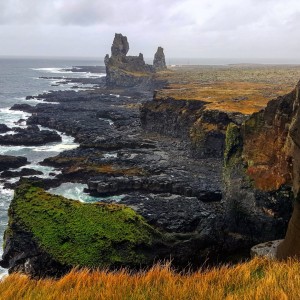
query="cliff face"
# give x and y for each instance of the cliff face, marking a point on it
(203, 129)
(261, 159)
(259, 172)
(130, 71)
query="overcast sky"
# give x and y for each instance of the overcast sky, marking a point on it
(185, 28)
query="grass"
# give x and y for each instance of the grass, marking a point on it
(236, 88)
(257, 279)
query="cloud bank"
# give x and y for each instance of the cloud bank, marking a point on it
(186, 28)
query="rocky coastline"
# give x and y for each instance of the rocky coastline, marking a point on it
(180, 166)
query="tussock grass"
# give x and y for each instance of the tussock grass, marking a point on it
(257, 279)
(236, 88)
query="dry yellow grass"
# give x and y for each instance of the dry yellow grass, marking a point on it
(237, 88)
(257, 279)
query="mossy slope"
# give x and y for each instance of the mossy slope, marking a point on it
(78, 234)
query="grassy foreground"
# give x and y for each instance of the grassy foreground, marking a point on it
(257, 279)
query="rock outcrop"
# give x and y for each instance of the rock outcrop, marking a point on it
(262, 158)
(47, 235)
(30, 136)
(159, 62)
(4, 128)
(11, 162)
(130, 71)
(202, 129)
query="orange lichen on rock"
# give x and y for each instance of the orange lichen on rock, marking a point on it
(266, 146)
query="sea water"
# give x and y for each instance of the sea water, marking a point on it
(19, 78)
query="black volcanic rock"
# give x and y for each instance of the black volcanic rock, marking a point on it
(23, 107)
(4, 128)
(31, 136)
(7, 162)
(23, 172)
(159, 62)
(120, 46)
(129, 71)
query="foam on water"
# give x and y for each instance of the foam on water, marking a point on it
(110, 155)
(109, 121)
(53, 70)
(64, 71)
(75, 191)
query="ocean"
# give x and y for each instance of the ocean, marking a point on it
(19, 77)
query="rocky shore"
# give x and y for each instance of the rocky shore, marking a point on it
(177, 164)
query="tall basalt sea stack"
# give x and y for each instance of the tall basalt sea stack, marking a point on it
(130, 71)
(159, 62)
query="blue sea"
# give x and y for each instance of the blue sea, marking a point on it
(19, 77)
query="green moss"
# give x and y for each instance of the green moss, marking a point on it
(253, 124)
(82, 234)
(233, 144)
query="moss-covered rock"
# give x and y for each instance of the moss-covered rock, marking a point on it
(78, 234)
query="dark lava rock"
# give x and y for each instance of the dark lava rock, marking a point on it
(159, 62)
(173, 213)
(120, 46)
(31, 136)
(129, 71)
(7, 162)
(4, 128)
(153, 184)
(23, 172)
(23, 107)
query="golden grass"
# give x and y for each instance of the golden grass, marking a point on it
(246, 89)
(257, 279)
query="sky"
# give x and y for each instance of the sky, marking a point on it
(184, 28)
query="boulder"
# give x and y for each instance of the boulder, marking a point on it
(23, 172)
(4, 128)
(7, 162)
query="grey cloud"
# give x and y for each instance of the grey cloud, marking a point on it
(193, 28)
(81, 12)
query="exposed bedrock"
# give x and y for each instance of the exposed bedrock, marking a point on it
(261, 173)
(4, 128)
(159, 62)
(130, 71)
(30, 136)
(203, 129)
(154, 184)
(12, 162)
